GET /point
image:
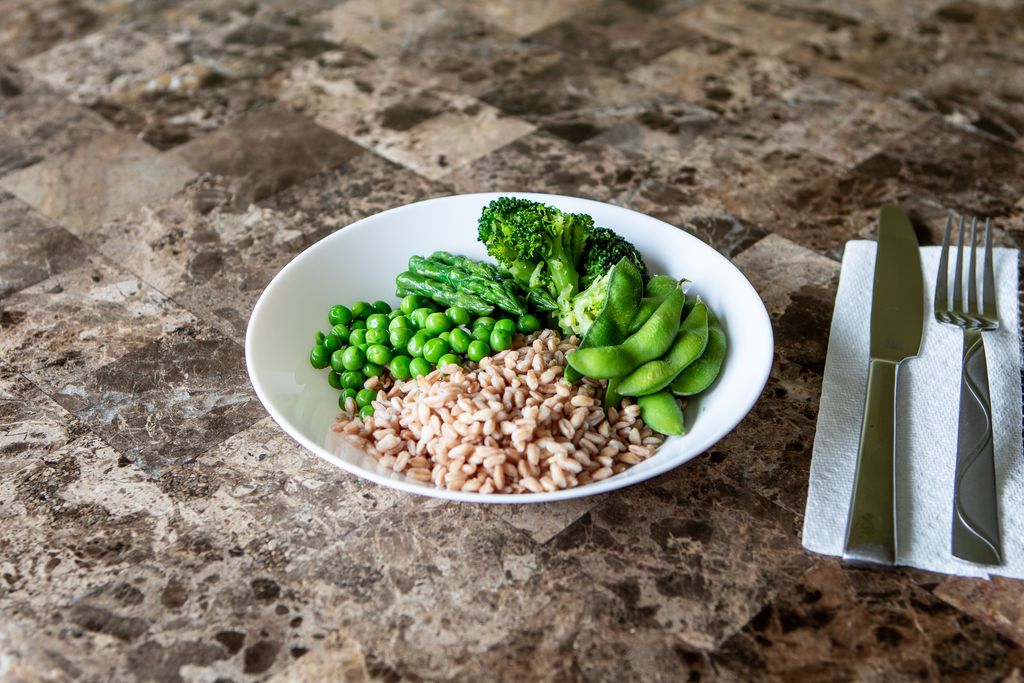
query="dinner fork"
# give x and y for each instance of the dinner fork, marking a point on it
(975, 531)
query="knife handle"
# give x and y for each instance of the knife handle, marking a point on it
(871, 530)
(975, 518)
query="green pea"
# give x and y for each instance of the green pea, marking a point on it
(400, 322)
(337, 360)
(481, 333)
(378, 354)
(459, 340)
(400, 337)
(399, 367)
(485, 321)
(319, 338)
(500, 339)
(319, 358)
(365, 397)
(381, 306)
(363, 347)
(357, 325)
(394, 314)
(661, 413)
(342, 330)
(415, 345)
(411, 302)
(365, 412)
(377, 321)
(436, 323)
(357, 337)
(377, 336)
(434, 349)
(353, 358)
(346, 393)
(419, 316)
(528, 323)
(419, 367)
(448, 359)
(446, 335)
(361, 310)
(372, 370)
(352, 379)
(334, 379)
(332, 342)
(339, 314)
(478, 350)
(506, 324)
(457, 315)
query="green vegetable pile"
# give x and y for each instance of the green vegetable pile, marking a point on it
(410, 341)
(642, 334)
(653, 347)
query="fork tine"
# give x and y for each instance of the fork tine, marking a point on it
(988, 291)
(958, 274)
(941, 292)
(972, 273)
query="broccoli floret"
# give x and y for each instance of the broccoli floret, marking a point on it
(577, 314)
(605, 248)
(540, 246)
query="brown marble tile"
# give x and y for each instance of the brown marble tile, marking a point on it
(360, 187)
(524, 17)
(843, 624)
(101, 64)
(32, 426)
(798, 287)
(690, 553)
(396, 27)
(403, 119)
(66, 327)
(32, 247)
(615, 36)
(266, 152)
(39, 125)
(997, 603)
(544, 522)
(101, 179)
(35, 27)
(541, 162)
(168, 401)
(739, 24)
(717, 76)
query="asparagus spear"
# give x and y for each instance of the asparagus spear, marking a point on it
(441, 292)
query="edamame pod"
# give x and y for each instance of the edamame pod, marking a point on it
(658, 288)
(442, 293)
(689, 344)
(698, 376)
(624, 289)
(649, 342)
(662, 413)
(612, 397)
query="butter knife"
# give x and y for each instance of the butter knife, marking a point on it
(897, 322)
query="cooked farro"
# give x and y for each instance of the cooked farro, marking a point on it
(505, 425)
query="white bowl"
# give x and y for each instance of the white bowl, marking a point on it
(360, 262)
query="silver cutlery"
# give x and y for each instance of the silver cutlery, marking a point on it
(897, 321)
(975, 529)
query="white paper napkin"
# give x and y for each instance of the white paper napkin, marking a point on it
(927, 413)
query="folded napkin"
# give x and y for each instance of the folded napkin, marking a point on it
(927, 414)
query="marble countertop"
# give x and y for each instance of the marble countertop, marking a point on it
(160, 162)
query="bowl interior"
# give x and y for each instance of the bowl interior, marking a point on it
(360, 262)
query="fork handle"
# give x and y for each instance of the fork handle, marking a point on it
(975, 517)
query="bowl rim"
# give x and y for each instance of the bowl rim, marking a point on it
(759, 381)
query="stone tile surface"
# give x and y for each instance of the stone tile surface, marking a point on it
(160, 162)
(101, 179)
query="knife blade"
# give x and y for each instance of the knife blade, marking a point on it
(897, 323)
